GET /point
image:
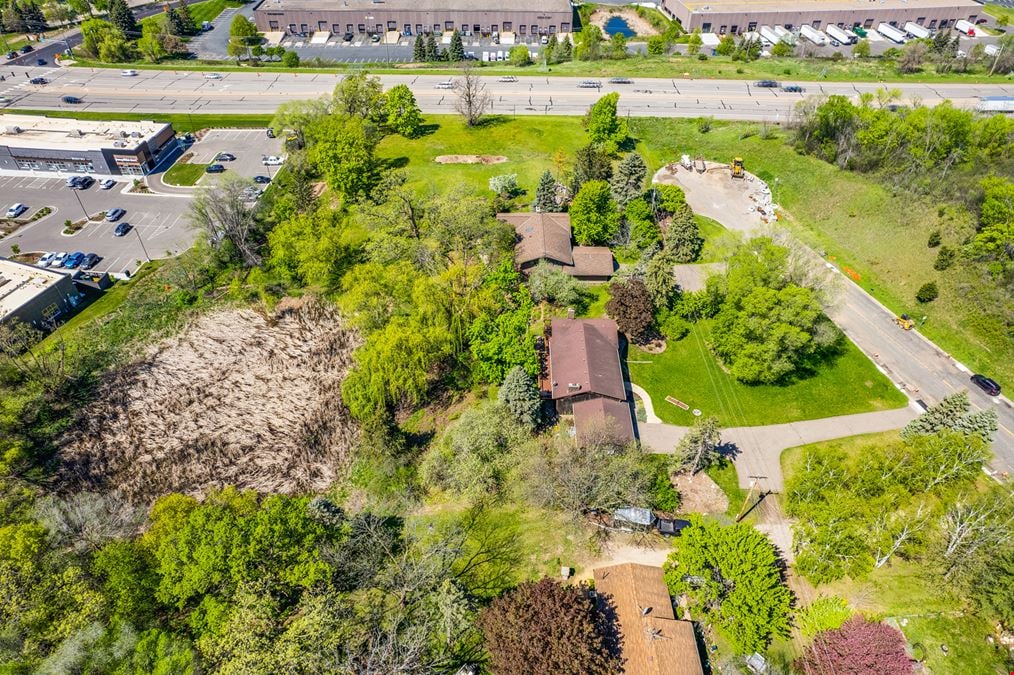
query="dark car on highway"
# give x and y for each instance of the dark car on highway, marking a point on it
(766, 84)
(986, 384)
(122, 229)
(40, 62)
(793, 88)
(90, 261)
(215, 168)
(70, 99)
(620, 80)
(38, 80)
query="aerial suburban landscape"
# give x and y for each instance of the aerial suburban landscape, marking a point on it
(526, 338)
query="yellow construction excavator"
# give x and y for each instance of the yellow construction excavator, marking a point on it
(904, 321)
(737, 168)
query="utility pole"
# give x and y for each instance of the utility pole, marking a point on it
(753, 483)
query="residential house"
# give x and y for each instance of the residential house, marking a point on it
(586, 378)
(652, 640)
(547, 237)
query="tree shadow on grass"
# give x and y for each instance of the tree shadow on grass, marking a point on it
(391, 163)
(426, 130)
(488, 121)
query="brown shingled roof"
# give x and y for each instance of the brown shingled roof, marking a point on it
(542, 235)
(585, 353)
(653, 642)
(601, 416)
(591, 261)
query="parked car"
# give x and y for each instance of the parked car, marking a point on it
(73, 260)
(215, 168)
(80, 182)
(212, 76)
(114, 214)
(16, 210)
(272, 160)
(375, 38)
(27, 48)
(128, 73)
(90, 261)
(225, 157)
(270, 133)
(766, 84)
(446, 84)
(544, 40)
(12, 54)
(793, 88)
(38, 80)
(988, 385)
(107, 184)
(671, 526)
(207, 25)
(620, 80)
(58, 259)
(46, 259)
(590, 84)
(348, 37)
(261, 180)
(122, 229)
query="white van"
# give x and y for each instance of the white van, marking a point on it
(16, 210)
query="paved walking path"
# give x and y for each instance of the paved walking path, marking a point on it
(649, 407)
(757, 450)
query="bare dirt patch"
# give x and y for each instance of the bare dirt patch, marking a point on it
(470, 159)
(743, 204)
(236, 399)
(640, 26)
(700, 494)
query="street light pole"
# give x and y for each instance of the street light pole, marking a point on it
(141, 241)
(81, 204)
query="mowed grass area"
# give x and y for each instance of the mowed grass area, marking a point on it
(688, 371)
(203, 11)
(928, 612)
(181, 122)
(857, 221)
(184, 174)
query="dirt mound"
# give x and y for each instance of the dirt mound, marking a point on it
(470, 159)
(237, 399)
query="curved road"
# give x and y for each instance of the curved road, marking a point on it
(252, 92)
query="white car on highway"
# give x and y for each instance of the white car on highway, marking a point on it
(212, 76)
(272, 160)
(448, 84)
(128, 73)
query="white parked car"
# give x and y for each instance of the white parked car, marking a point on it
(58, 259)
(47, 259)
(212, 76)
(16, 210)
(128, 73)
(272, 160)
(107, 184)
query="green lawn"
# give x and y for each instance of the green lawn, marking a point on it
(927, 612)
(181, 122)
(725, 477)
(687, 371)
(203, 11)
(184, 174)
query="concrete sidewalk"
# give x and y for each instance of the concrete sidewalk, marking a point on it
(757, 450)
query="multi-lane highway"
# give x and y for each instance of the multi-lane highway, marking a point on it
(251, 92)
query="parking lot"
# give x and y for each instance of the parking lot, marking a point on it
(160, 224)
(248, 145)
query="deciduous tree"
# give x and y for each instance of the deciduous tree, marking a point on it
(859, 647)
(603, 125)
(343, 151)
(631, 307)
(402, 113)
(359, 95)
(473, 99)
(227, 219)
(593, 214)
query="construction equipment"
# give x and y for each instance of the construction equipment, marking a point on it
(737, 168)
(699, 164)
(904, 321)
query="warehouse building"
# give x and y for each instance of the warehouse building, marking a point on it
(34, 295)
(419, 17)
(740, 16)
(34, 143)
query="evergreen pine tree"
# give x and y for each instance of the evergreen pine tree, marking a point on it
(545, 194)
(35, 20)
(419, 50)
(552, 48)
(683, 235)
(566, 50)
(944, 415)
(457, 51)
(628, 182)
(121, 17)
(519, 395)
(431, 49)
(187, 22)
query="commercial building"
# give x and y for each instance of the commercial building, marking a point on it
(34, 295)
(416, 17)
(652, 640)
(546, 237)
(34, 143)
(740, 16)
(586, 378)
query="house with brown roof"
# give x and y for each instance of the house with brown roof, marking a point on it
(652, 640)
(586, 378)
(547, 237)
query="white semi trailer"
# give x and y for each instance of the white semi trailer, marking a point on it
(815, 36)
(842, 35)
(917, 31)
(785, 35)
(769, 35)
(996, 104)
(891, 33)
(966, 27)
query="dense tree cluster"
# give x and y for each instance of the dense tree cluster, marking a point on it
(859, 646)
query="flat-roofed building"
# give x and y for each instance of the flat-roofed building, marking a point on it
(416, 17)
(36, 143)
(740, 16)
(34, 295)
